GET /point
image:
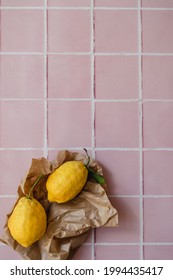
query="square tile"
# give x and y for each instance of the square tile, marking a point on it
(157, 3)
(83, 253)
(69, 76)
(158, 225)
(119, 252)
(116, 124)
(6, 206)
(158, 179)
(14, 165)
(128, 229)
(116, 3)
(22, 124)
(27, 81)
(21, 3)
(157, 31)
(116, 77)
(121, 170)
(157, 77)
(116, 31)
(7, 253)
(158, 252)
(69, 124)
(25, 37)
(157, 127)
(69, 3)
(69, 31)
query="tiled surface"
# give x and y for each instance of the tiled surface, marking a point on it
(157, 27)
(157, 68)
(66, 77)
(22, 3)
(116, 3)
(25, 37)
(94, 74)
(69, 31)
(124, 162)
(157, 129)
(121, 38)
(118, 252)
(22, 83)
(116, 77)
(157, 3)
(109, 129)
(158, 179)
(157, 219)
(69, 3)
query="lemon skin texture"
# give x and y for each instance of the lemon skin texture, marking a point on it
(66, 181)
(28, 221)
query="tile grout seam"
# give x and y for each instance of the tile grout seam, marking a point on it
(93, 253)
(88, 53)
(87, 8)
(45, 81)
(140, 128)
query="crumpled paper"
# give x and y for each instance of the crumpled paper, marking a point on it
(68, 224)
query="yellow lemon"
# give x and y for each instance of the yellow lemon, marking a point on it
(27, 223)
(66, 181)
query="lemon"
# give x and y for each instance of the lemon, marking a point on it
(66, 181)
(27, 223)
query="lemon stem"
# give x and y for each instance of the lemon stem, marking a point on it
(88, 157)
(31, 189)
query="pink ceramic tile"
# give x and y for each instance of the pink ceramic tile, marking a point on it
(158, 172)
(14, 165)
(7, 253)
(69, 3)
(116, 3)
(69, 30)
(104, 252)
(21, 3)
(83, 253)
(128, 229)
(116, 77)
(69, 124)
(158, 225)
(22, 124)
(157, 77)
(25, 37)
(157, 3)
(121, 170)
(27, 81)
(158, 252)
(158, 131)
(116, 124)
(6, 206)
(157, 31)
(115, 31)
(69, 76)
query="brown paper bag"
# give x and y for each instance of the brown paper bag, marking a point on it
(68, 224)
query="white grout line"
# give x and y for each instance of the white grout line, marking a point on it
(45, 82)
(90, 53)
(140, 127)
(88, 148)
(92, 105)
(87, 8)
(88, 99)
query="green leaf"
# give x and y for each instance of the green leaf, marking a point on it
(99, 178)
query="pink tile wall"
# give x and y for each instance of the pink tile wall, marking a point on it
(94, 74)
